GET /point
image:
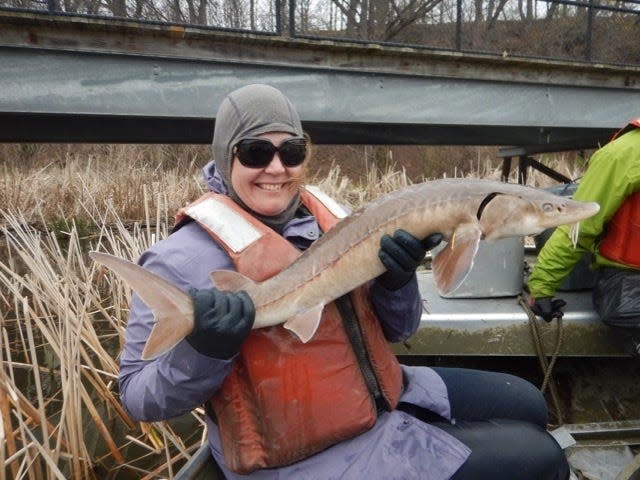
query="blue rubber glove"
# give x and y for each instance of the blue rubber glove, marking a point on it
(548, 308)
(222, 321)
(401, 255)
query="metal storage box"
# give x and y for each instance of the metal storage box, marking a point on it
(498, 270)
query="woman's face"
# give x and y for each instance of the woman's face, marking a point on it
(268, 190)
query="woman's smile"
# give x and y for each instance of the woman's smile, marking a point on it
(274, 187)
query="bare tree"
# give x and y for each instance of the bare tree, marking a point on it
(351, 9)
(197, 11)
(408, 14)
(382, 19)
(492, 15)
(118, 8)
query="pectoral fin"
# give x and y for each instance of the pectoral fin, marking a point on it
(452, 264)
(305, 324)
(172, 308)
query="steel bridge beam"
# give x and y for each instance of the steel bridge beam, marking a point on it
(68, 79)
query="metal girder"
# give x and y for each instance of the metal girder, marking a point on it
(65, 85)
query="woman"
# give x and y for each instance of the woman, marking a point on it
(339, 406)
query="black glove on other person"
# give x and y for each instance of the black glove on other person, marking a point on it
(222, 321)
(547, 308)
(401, 255)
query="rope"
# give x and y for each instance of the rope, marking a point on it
(631, 471)
(546, 366)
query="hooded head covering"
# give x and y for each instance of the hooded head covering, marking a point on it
(248, 112)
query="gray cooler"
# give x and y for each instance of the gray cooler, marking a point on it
(497, 271)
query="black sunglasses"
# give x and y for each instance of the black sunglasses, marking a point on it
(256, 152)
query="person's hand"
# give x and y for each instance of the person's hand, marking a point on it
(548, 308)
(222, 321)
(401, 255)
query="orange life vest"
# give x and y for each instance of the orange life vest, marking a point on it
(621, 241)
(634, 123)
(622, 237)
(284, 400)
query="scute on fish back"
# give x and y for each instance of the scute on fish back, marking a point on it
(463, 210)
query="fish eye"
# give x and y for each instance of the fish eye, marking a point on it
(547, 207)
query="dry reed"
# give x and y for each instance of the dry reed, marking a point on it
(62, 318)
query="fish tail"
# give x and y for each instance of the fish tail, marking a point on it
(172, 308)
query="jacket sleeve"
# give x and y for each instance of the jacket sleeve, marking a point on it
(613, 174)
(399, 311)
(181, 379)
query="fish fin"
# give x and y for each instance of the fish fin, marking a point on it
(166, 334)
(305, 324)
(172, 308)
(453, 263)
(230, 281)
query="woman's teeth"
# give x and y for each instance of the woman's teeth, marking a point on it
(271, 186)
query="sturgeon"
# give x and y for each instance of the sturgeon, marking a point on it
(464, 211)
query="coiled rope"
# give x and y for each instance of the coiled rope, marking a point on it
(545, 365)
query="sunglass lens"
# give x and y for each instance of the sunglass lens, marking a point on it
(256, 153)
(293, 152)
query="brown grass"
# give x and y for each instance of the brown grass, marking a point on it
(62, 318)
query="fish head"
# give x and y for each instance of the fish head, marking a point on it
(529, 211)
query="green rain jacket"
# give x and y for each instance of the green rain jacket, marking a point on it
(613, 174)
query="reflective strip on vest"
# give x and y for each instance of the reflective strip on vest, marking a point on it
(231, 227)
(335, 208)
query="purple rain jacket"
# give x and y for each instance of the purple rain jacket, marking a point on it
(399, 446)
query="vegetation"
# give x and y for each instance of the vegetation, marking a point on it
(590, 31)
(62, 318)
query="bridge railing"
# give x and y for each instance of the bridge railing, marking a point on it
(578, 30)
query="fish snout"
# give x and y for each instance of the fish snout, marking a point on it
(568, 211)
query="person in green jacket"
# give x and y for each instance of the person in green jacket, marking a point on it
(613, 175)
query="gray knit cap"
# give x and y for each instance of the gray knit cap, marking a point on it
(248, 112)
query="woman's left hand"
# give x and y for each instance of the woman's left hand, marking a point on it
(402, 254)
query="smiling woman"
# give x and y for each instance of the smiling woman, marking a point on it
(258, 154)
(271, 188)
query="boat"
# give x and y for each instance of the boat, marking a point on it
(496, 332)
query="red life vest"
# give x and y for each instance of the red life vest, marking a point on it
(620, 243)
(284, 400)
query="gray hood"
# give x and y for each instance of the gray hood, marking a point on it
(248, 112)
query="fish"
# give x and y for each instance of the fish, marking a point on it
(464, 211)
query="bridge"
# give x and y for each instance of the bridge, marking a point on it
(69, 78)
